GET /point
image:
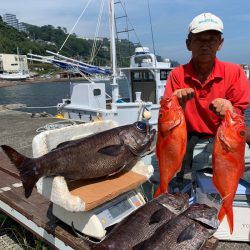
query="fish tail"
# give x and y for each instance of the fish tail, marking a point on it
(159, 191)
(230, 220)
(27, 169)
(221, 214)
(229, 214)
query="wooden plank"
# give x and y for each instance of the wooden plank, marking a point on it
(37, 209)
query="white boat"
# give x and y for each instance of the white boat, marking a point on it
(20, 74)
(14, 76)
(89, 101)
(146, 84)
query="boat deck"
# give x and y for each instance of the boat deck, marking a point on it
(35, 213)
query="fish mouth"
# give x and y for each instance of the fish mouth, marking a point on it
(210, 224)
(175, 203)
(175, 210)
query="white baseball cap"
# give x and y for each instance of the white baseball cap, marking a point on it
(205, 21)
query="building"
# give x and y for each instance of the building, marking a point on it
(11, 20)
(22, 27)
(13, 63)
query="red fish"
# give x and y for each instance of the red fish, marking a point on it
(171, 141)
(228, 161)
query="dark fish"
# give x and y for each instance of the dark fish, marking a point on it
(143, 222)
(187, 231)
(98, 155)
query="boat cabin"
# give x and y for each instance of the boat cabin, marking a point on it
(146, 79)
(147, 76)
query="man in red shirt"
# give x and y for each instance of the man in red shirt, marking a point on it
(207, 87)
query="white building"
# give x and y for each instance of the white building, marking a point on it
(13, 63)
(22, 27)
(11, 20)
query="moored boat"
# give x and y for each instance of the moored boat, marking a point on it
(14, 76)
(146, 84)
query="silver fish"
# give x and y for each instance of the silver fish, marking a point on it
(98, 155)
(187, 231)
(143, 222)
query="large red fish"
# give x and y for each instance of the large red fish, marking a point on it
(228, 161)
(171, 141)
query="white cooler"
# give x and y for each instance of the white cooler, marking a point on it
(207, 194)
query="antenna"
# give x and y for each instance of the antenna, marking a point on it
(152, 34)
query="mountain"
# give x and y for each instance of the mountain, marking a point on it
(39, 39)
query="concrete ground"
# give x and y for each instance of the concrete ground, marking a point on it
(17, 130)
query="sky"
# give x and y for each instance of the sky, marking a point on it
(169, 18)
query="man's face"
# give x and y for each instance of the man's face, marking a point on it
(204, 45)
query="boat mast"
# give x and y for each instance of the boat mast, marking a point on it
(115, 89)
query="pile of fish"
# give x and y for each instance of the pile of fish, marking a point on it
(228, 152)
(166, 222)
(103, 154)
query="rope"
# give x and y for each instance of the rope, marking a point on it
(56, 125)
(141, 107)
(94, 48)
(124, 9)
(152, 34)
(78, 19)
(45, 107)
(90, 80)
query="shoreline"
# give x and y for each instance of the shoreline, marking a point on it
(6, 83)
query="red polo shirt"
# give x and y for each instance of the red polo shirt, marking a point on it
(227, 80)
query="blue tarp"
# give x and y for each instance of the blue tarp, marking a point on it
(86, 69)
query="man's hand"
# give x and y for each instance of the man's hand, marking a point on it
(184, 95)
(220, 105)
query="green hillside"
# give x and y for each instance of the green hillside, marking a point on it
(39, 39)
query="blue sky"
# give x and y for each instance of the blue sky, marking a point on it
(170, 19)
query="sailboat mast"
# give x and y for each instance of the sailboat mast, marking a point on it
(115, 89)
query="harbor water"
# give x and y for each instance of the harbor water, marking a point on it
(43, 97)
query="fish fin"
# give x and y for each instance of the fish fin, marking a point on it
(221, 214)
(60, 145)
(112, 150)
(117, 171)
(158, 192)
(229, 214)
(127, 166)
(140, 246)
(26, 167)
(157, 216)
(187, 234)
(230, 220)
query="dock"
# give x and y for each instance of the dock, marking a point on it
(35, 213)
(17, 130)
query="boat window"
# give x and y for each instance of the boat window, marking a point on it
(143, 59)
(164, 74)
(142, 76)
(96, 92)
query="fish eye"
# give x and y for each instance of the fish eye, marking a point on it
(242, 133)
(141, 126)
